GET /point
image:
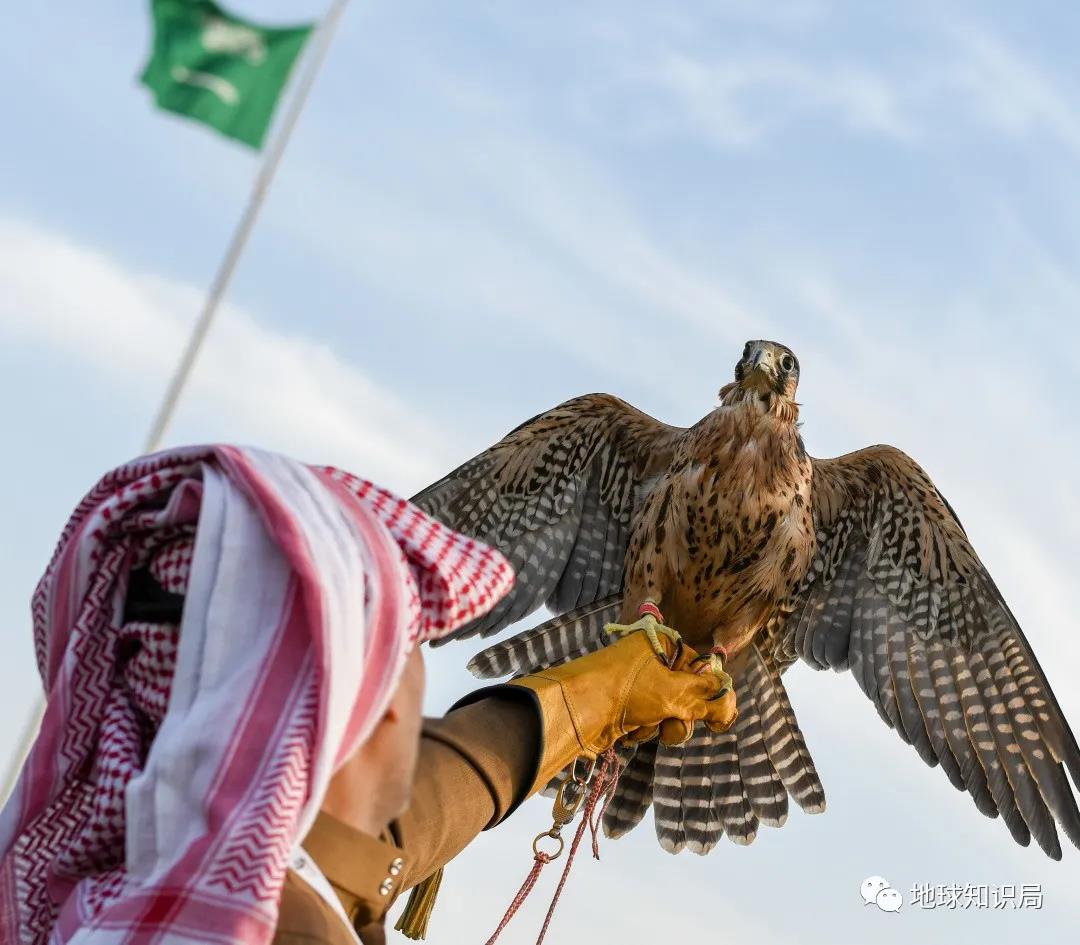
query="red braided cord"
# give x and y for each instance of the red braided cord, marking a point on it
(541, 860)
(603, 785)
(594, 825)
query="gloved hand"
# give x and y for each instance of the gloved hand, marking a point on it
(624, 691)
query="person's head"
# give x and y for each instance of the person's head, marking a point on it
(316, 680)
(374, 785)
(422, 582)
(396, 741)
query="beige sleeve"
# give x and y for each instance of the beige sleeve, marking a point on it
(475, 766)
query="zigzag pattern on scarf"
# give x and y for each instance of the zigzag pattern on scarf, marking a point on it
(243, 867)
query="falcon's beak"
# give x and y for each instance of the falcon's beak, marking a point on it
(763, 363)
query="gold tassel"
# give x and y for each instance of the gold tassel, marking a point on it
(413, 922)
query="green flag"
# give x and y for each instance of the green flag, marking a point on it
(219, 69)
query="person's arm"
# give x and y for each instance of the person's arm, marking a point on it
(504, 744)
(476, 765)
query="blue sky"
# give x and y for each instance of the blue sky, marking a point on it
(489, 208)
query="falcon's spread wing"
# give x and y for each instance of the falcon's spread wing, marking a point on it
(556, 496)
(897, 595)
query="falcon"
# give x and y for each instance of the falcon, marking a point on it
(757, 552)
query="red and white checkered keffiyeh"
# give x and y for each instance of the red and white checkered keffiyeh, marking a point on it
(177, 766)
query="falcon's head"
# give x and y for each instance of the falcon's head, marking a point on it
(768, 367)
(767, 375)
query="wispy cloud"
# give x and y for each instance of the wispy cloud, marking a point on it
(741, 98)
(1009, 91)
(251, 383)
(559, 257)
(738, 100)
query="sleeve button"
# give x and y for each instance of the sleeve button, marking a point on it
(396, 866)
(386, 886)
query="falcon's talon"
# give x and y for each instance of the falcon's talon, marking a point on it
(712, 663)
(653, 630)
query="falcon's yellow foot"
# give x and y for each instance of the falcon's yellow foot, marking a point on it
(653, 628)
(713, 662)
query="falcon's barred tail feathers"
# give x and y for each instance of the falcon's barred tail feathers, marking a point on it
(783, 738)
(712, 785)
(728, 783)
(562, 638)
(633, 793)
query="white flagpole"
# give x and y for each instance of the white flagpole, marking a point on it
(320, 44)
(312, 63)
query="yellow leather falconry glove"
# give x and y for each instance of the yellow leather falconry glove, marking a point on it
(624, 691)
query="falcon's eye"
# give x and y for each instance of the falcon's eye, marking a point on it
(746, 350)
(787, 362)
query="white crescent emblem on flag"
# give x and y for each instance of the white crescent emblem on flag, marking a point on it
(222, 88)
(220, 35)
